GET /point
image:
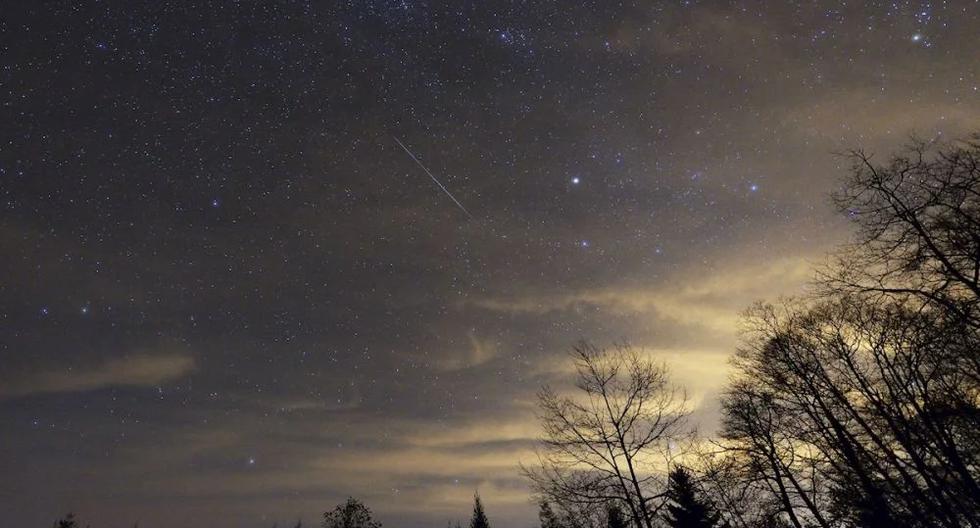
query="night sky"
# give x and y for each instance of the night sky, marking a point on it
(228, 297)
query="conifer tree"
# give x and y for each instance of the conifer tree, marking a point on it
(479, 519)
(614, 517)
(686, 509)
(68, 522)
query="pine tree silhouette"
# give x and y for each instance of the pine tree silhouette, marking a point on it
(614, 517)
(479, 519)
(686, 509)
(68, 522)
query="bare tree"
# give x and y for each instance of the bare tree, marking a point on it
(856, 399)
(764, 454)
(738, 482)
(918, 219)
(602, 444)
(860, 405)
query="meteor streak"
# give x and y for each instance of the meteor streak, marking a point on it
(427, 171)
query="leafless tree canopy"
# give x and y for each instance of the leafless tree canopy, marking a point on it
(855, 406)
(918, 219)
(853, 413)
(858, 406)
(601, 444)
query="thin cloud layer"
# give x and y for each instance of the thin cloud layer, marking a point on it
(711, 299)
(228, 182)
(129, 371)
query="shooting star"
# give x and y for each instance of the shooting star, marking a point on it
(427, 171)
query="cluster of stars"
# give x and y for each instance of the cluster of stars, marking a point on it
(221, 187)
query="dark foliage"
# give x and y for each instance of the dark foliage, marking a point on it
(615, 517)
(351, 514)
(686, 508)
(547, 516)
(68, 521)
(479, 519)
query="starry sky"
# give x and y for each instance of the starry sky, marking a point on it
(229, 297)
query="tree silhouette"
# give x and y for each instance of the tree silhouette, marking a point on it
(547, 516)
(351, 514)
(572, 515)
(68, 522)
(857, 405)
(857, 413)
(479, 519)
(918, 234)
(614, 517)
(686, 509)
(601, 444)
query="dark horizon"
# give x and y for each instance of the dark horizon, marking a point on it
(258, 257)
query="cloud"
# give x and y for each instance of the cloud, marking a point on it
(425, 468)
(855, 115)
(513, 430)
(130, 371)
(709, 300)
(479, 352)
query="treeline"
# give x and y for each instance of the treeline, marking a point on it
(351, 514)
(856, 405)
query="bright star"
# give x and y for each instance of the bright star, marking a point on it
(576, 180)
(753, 187)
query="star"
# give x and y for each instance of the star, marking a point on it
(339, 288)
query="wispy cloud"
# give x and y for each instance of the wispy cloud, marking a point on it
(855, 117)
(130, 371)
(711, 301)
(477, 353)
